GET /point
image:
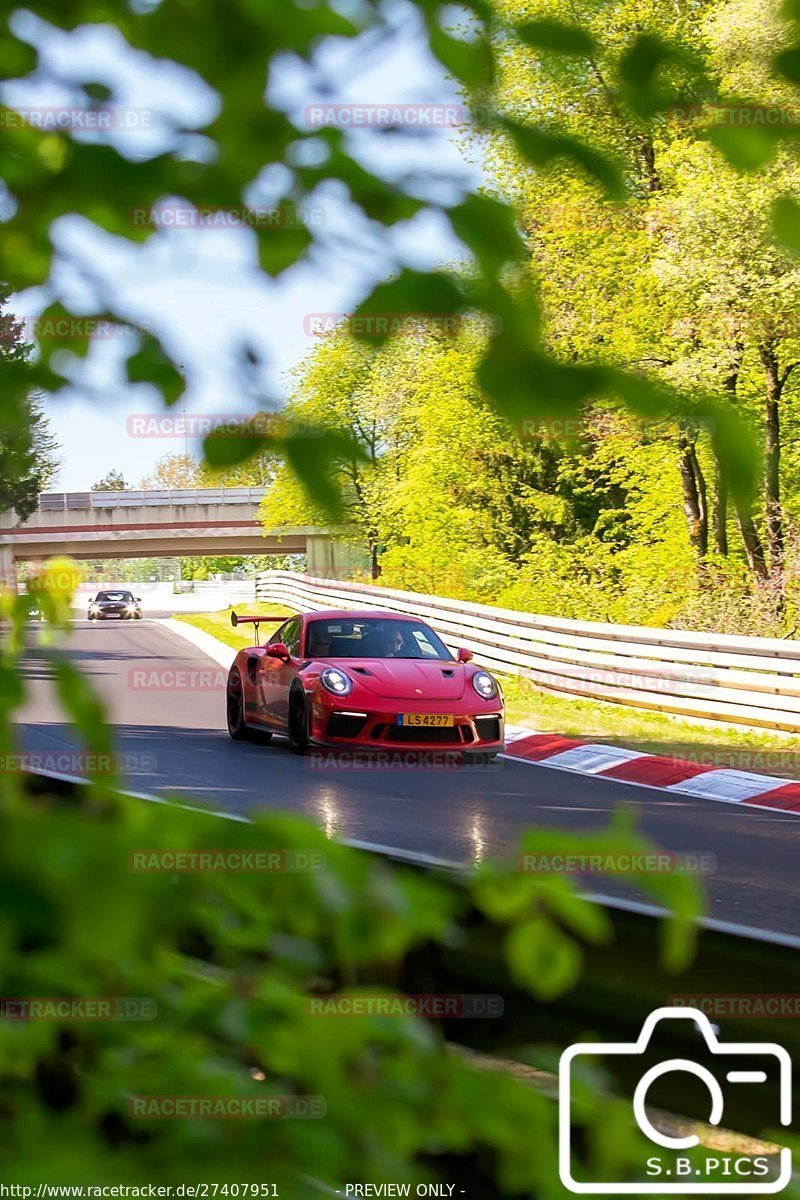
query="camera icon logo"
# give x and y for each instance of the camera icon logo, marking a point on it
(670, 1173)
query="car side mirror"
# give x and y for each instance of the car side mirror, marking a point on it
(278, 650)
(138, 599)
(464, 655)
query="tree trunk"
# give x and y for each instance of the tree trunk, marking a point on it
(720, 517)
(754, 550)
(648, 152)
(694, 495)
(375, 567)
(772, 462)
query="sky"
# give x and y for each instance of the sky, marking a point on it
(197, 287)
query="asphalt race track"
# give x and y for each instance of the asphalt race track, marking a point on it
(171, 730)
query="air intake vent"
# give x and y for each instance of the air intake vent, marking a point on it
(345, 725)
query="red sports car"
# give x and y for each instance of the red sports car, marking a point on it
(371, 680)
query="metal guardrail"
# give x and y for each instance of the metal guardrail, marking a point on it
(86, 501)
(748, 680)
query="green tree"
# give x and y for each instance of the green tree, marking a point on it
(173, 471)
(340, 386)
(684, 282)
(258, 471)
(113, 481)
(28, 450)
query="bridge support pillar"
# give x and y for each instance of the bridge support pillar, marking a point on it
(8, 567)
(330, 558)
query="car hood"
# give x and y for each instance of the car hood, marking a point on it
(406, 678)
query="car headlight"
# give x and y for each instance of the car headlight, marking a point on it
(336, 681)
(484, 685)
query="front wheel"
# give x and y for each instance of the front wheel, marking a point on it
(298, 721)
(234, 707)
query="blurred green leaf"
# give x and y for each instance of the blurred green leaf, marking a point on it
(787, 63)
(642, 69)
(151, 365)
(412, 294)
(556, 36)
(224, 449)
(542, 149)
(57, 329)
(490, 230)
(786, 223)
(748, 148)
(471, 60)
(97, 91)
(312, 455)
(279, 248)
(542, 958)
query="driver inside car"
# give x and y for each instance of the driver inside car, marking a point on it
(393, 644)
(320, 646)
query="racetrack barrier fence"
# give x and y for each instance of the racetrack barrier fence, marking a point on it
(749, 681)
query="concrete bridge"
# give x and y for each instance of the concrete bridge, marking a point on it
(160, 524)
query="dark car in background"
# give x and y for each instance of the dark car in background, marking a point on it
(120, 604)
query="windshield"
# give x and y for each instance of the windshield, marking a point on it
(114, 596)
(374, 638)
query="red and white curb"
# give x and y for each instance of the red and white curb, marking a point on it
(653, 770)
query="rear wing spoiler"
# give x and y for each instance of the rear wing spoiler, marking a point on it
(256, 620)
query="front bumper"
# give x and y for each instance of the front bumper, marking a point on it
(337, 725)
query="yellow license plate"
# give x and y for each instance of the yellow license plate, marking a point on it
(426, 719)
